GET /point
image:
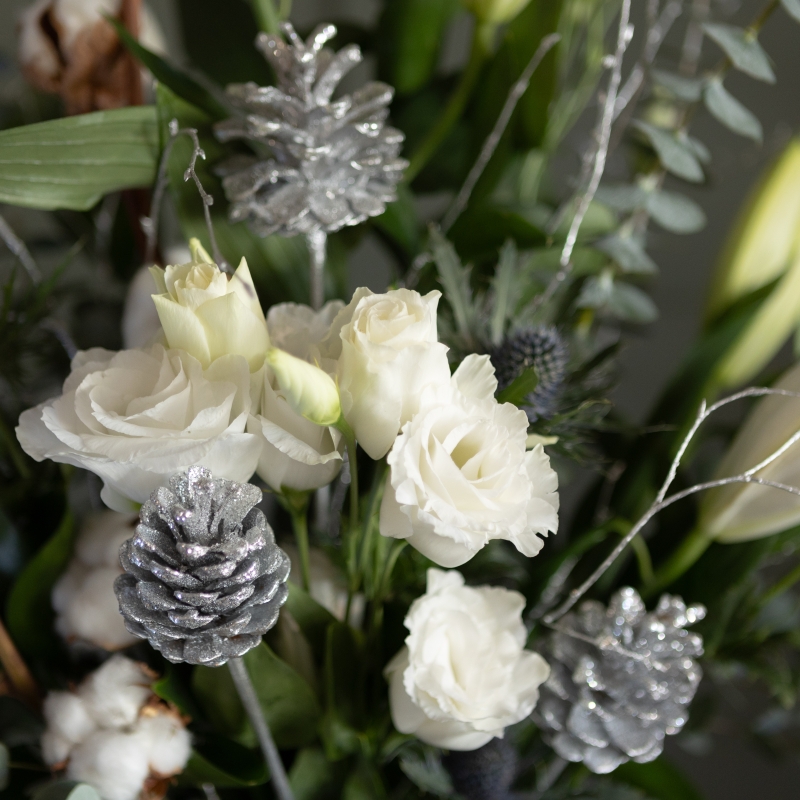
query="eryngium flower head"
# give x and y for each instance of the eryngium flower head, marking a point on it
(204, 578)
(333, 163)
(543, 349)
(620, 680)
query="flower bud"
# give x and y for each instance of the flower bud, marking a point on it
(208, 315)
(495, 12)
(764, 240)
(743, 511)
(308, 390)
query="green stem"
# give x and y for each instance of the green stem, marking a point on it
(643, 559)
(786, 582)
(14, 452)
(454, 108)
(300, 527)
(692, 547)
(266, 16)
(375, 496)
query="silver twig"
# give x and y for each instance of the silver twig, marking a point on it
(693, 41)
(317, 240)
(662, 501)
(493, 139)
(247, 693)
(150, 224)
(603, 138)
(19, 250)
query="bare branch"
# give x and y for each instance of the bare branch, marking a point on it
(19, 250)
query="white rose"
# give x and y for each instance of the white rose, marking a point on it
(388, 351)
(460, 475)
(464, 675)
(208, 315)
(83, 597)
(296, 453)
(137, 417)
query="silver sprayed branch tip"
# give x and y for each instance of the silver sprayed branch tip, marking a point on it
(329, 163)
(204, 579)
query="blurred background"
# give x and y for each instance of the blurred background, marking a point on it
(723, 764)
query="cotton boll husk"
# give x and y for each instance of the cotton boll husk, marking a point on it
(68, 723)
(166, 741)
(115, 693)
(115, 763)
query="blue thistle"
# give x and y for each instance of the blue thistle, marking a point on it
(483, 774)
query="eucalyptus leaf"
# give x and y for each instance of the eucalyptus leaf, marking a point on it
(621, 300)
(730, 112)
(743, 49)
(29, 612)
(67, 790)
(675, 155)
(697, 147)
(675, 212)
(792, 8)
(74, 161)
(622, 197)
(687, 89)
(427, 772)
(628, 254)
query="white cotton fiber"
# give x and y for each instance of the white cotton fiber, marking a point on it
(167, 742)
(115, 693)
(68, 722)
(113, 762)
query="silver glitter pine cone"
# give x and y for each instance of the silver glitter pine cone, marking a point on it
(622, 682)
(204, 579)
(330, 163)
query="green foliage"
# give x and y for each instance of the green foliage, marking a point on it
(660, 779)
(675, 154)
(67, 790)
(743, 49)
(224, 763)
(730, 112)
(74, 161)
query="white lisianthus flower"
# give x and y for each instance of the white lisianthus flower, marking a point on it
(137, 417)
(83, 597)
(387, 350)
(208, 315)
(460, 475)
(740, 512)
(296, 453)
(464, 675)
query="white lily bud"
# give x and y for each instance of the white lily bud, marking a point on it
(208, 315)
(495, 12)
(308, 390)
(743, 511)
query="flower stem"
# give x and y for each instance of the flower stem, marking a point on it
(247, 693)
(300, 527)
(692, 547)
(266, 16)
(17, 672)
(317, 241)
(454, 108)
(785, 583)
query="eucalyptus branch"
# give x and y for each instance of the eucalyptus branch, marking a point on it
(603, 139)
(661, 501)
(150, 224)
(493, 139)
(19, 250)
(693, 40)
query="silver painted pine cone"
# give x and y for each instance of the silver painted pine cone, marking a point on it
(204, 579)
(622, 682)
(333, 162)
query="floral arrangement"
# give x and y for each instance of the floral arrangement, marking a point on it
(273, 537)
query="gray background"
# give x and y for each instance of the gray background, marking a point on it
(724, 767)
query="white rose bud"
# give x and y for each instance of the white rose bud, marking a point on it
(464, 675)
(137, 417)
(208, 315)
(388, 351)
(308, 390)
(460, 474)
(740, 512)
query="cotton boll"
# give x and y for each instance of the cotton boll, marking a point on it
(116, 692)
(102, 535)
(68, 723)
(167, 742)
(113, 762)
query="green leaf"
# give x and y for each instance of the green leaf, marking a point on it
(743, 49)
(67, 790)
(455, 280)
(660, 779)
(312, 618)
(179, 82)
(344, 701)
(364, 784)
(792, 8)
(173, 689)
(313, 777)
(698, 148)
(288, 702)
(628, 254)
(400, 221)
(621, 300)
(411, 36)
(483, 229)
(29, 613)
(730, 112)
(224, 763)
(676, 213)
(687, 89)
(622, 197)
(72, 162)
(426, 772)
(503, 283)
(675, 155)
(520, 388)
(4, 769)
